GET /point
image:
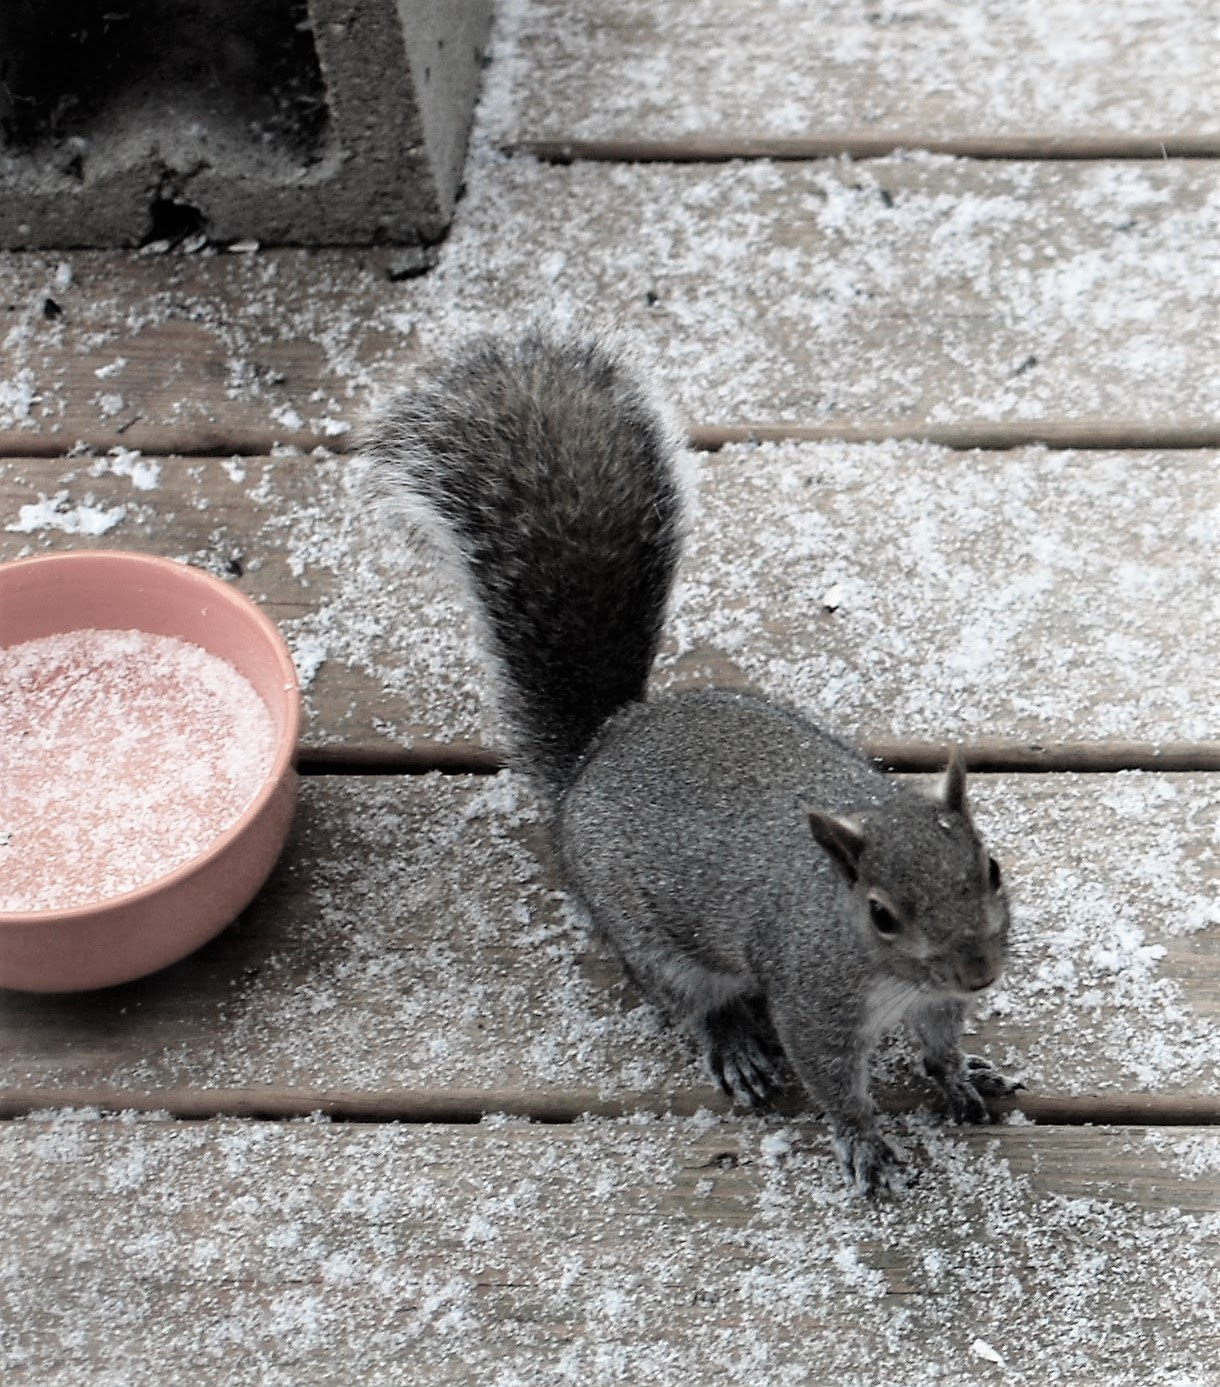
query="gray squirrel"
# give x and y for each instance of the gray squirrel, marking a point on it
(764, 884)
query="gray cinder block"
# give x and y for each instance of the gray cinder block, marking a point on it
(315, 122)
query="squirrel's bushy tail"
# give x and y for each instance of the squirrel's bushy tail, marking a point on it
(545, 464)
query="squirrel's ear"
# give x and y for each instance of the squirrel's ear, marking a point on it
(842, 840)
(952, 789)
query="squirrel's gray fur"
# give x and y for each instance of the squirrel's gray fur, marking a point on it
(763, 883)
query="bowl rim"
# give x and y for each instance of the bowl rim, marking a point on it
(282, 765)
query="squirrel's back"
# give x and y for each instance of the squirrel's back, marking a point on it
(547, 463)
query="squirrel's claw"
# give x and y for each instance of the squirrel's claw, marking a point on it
(967, 1088)
(872, 1165)
(988, 1080)
(747, 1078)
(740, 1054)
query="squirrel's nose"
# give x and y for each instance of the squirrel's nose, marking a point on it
(975, 976)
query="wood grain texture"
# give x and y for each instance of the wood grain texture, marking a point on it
(1044, 609)
(414, 964)
(991, 76)
(415, 957)
(914, 294)
(160, 1252)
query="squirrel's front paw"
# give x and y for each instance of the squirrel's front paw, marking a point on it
(988, 1080)
(741, 1052)
(967, 1088)
(745, 1072)
(871, 1164)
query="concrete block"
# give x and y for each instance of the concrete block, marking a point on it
(309, 122)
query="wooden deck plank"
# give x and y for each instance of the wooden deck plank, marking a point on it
(1024, 598)
(373, 646)
(646, 70)
(142, 1252)
(911, 294)
(413, 956)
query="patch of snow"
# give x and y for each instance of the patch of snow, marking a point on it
(55, 513)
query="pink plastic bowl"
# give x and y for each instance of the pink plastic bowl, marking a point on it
(128, 936)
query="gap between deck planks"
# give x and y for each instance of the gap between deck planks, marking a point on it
(987, 755)
(979, 436)
(871, 144)
(561, 1109)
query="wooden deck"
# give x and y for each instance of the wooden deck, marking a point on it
(935, 289)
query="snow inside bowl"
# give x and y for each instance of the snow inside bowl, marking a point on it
(148, 719)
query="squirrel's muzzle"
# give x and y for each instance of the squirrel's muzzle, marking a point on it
(975, 974)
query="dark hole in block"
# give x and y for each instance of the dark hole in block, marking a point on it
(72, 70)
(173, 221)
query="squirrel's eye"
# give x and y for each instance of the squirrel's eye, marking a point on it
(993, 874)
(885, 922)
